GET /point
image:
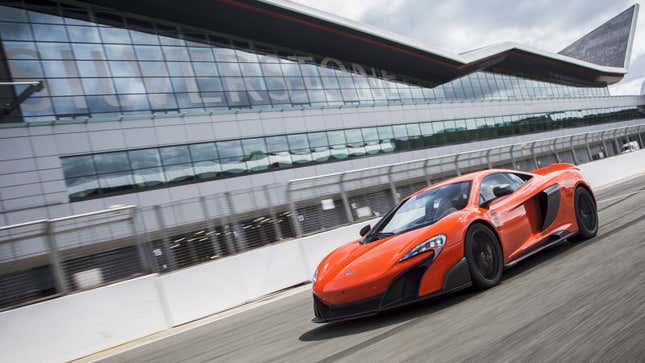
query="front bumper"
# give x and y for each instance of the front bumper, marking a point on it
(403, 290)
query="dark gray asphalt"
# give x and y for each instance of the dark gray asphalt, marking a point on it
(575, 303)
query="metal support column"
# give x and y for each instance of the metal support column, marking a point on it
(293, 211)
(535, 160)
(588, 147)
(555, 150)
(144, 253)
(425, 172)
(573, 151)
(210, 227)
(456, 162)
(395, 194)
(241, 244)
(165, 241)
(513, 158)
(640, 137)
(605, 151)
(343, 197)
(488, 162)
(272, 214)
(618, 148)
(54, 261)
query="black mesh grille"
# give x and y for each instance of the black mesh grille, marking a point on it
(333, 312)
(406, 287)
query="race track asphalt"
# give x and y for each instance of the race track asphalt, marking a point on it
(580, 302)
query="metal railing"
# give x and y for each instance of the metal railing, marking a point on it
(47, 258)
(575, 149)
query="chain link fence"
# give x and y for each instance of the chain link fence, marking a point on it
(47, 258)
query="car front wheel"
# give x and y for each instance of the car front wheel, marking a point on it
(484, 256)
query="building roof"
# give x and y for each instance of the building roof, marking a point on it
(298, 27)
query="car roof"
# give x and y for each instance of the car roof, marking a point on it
(476, 175)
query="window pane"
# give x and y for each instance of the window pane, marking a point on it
(277, 143)
(207, 169)
(228, 149)
(83, 34)
(111, 162)
(133, 102)
(149, 177)
(148, 52)
(201, 54)
(146, 158)
(177, 173)
(115, 35)
(254, 146)
(119, 52)
(318, 139)
(124, 68)
(154, 69)
(233, 165)
(201, 152)
(354, 136)
(336, 137)
(55, 51)
(115, 182)
(79, 188)
(298, 142)
(176, 53)
(50, 32)
(174, 155)
(78, 166)
(229, 69)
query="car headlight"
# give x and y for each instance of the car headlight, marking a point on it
(434, 244)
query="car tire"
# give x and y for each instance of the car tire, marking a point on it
(586, 214)
(484, 256)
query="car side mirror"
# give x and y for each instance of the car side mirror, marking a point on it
(498, 191)
(502, 190)
(365, 230)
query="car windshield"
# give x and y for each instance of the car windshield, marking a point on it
(426, 208)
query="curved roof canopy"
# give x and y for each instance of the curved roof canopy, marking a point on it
(599, 58)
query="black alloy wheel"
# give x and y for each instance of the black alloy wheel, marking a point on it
(586, 214)
(484, 255)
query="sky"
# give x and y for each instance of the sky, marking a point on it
(460, 25)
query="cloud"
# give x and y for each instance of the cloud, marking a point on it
(461, 25)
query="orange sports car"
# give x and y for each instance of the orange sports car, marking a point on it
(459, 233)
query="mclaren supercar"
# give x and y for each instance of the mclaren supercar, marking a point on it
(459, 233)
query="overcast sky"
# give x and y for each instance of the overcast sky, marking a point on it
(460, 25)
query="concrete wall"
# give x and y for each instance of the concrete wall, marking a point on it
(202, 290)
(79, 324)
(611, 170)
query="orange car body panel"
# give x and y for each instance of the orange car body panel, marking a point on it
(355, 271)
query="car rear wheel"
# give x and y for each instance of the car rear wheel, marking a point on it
(484, 256)
(586, 214)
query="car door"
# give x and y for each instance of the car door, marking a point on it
(508, 213)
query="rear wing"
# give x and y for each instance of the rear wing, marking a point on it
(554, 167)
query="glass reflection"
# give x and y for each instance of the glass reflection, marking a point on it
(88, 176)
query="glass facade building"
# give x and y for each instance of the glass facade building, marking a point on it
(204, 118)
(101, 64)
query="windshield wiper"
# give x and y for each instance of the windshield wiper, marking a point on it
(384, 234)
(377, 236)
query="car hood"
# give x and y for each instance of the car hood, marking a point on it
(354, 263)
